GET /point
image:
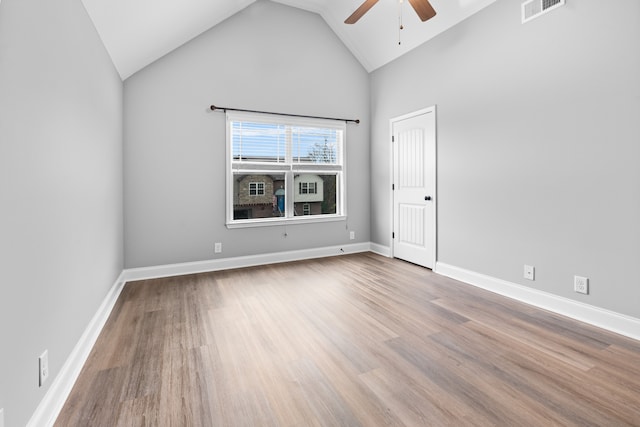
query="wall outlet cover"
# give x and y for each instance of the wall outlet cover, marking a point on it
(43, 367)
(581, 285)
(529, 272)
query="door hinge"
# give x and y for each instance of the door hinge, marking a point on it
(393, 186)
(393, 234)
(393, 138)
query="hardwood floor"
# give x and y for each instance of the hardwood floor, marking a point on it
(356, 340)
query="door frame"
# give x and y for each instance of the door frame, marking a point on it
(434, 226)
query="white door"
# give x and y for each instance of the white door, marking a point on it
(414, 187)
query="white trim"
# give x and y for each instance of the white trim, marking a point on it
(300, 219)
(392, 175)
(53, 401)
(239, 262)
(380, 249)
(602, 318)
(416, 113)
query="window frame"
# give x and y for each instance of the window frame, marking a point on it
(288, 169)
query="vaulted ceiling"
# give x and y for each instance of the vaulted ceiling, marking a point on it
(137, 32)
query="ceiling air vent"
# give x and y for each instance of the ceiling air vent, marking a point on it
(533, 8)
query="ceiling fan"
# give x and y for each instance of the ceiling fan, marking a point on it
(422, 7)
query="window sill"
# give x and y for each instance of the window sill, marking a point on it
(269, 222)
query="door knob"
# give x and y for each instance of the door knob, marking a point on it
(427, 197)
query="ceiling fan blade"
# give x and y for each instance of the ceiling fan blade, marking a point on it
(423, 8)
(364, 8)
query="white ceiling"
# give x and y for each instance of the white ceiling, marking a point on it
(137, 32)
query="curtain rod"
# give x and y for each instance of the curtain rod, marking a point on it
(225, 109)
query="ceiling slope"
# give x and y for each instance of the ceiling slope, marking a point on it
(138, 32)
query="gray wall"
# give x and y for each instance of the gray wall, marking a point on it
(60, 189)
(538, 145)
(267, 57)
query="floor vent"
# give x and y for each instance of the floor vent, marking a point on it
(533, 8)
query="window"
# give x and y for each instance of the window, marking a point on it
(283, 169)
(307, 188)
(256, 188)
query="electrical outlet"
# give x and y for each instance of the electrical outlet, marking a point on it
(529, 272)
(352, 235)
(581, 285)
(43, 364)
(218, 248)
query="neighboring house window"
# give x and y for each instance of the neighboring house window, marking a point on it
(256, 188)
(307, 188)
(280, 167)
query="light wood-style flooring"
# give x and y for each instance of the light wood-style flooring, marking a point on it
(354, 340)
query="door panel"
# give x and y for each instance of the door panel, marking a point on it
(414, 164)
(411, 157)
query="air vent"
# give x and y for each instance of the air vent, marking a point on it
(533, 8)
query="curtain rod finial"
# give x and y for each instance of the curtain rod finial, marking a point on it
(213, 108)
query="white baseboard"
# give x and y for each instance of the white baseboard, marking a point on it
(606, 319)
(55, 397)
(380, 249)
(169, 270)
